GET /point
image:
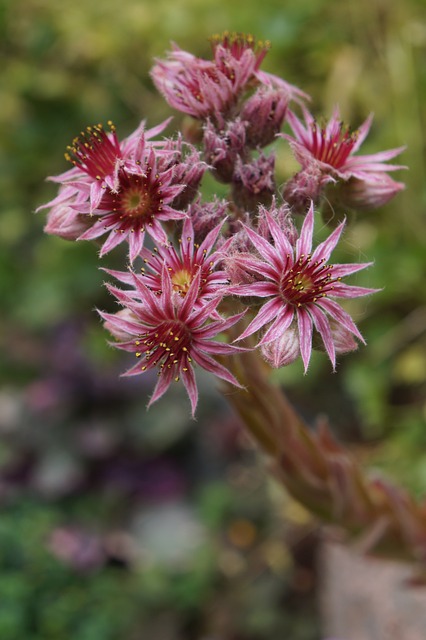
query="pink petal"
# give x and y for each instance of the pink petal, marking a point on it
(362, 133)
(265, 249)
(324, 250)
(136, 240)
(164, 381)
(265, 315)
(217, 326)
(126, 277)
(340, 270)
(304, 323)
(133, 328)
(341, 290)
(341, 316)
(220, 348)
(279, 326)
(97, 230)
(188, 379)
(113, 240)
(381, 156)
(324, 330)
(258, 289)
(211, 238)
(280, 240)
(209, 364)
(191, 296)
(304, 243)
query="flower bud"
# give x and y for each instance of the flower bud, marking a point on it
(283, 350)
(281, 215)
(222, 148)
(206, 215)
(117, 331)
(189, 172)
(343, 339)
(264, 114)
(305, 187)
(374, 191)
(253, 184)
(66, 223)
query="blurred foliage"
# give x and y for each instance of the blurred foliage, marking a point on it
(77, 448)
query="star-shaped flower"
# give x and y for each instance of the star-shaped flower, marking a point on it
(328, 155)
(300, 287)
(171, 332)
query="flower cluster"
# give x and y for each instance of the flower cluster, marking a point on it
(219, 278)
(213, 88)
(123, 190)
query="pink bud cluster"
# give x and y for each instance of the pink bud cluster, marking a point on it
(242, 270)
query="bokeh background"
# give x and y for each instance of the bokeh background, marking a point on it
(121, 524)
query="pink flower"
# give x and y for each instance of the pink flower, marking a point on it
(123, 189)
(327, 154)
(172, 332)
(126, 189)
(97, 156)
(300, 287)
(332, 147)
(235, 50)
(183, 265)
(211, 88)
(236, 47)
(195, 86)
(142, 201)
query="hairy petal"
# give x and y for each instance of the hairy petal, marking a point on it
(304, 323)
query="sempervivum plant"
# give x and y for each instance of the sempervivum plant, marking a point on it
(238, 287)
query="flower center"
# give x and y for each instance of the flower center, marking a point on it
(307, 281)
(135, 201)
(332, 147)
(95, 151)
(166, 346)
(182, 281)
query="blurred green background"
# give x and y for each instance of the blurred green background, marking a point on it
(121, 524)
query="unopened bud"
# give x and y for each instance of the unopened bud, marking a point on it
(253, 183)
(283, 350)
(66, 223)
(264, 114)
(222, 148)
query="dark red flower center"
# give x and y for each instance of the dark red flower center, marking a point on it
(334, 147)
(307, 281)
(137, 198)
(95, 151)
(166, 346)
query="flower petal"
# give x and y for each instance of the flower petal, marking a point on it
(305, 326)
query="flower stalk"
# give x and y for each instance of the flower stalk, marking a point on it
(321, 473)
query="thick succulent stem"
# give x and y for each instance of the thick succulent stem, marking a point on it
(320, 473)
